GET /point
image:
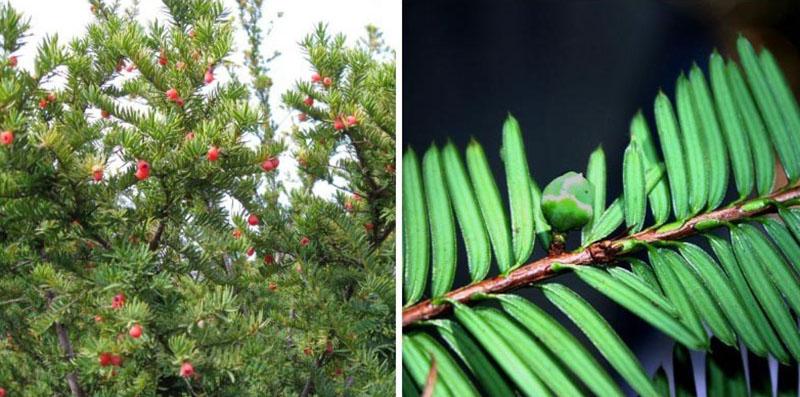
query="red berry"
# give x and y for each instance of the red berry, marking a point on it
(338, 124)
(302, 117)
(338, 371)
(309, 101)
(351, 120)
(273, 286)
(252, 219)
(142, 170)
(307, 351)
(104, 359)
(12, 61)
(329, 347)
(369, 226)
(192, 33)
(237, 233)
(187, 370)
(268, 259)
(189, 136)
(98, 318)
(270, 164)
(119, 301)
(43, 103)
(327, 81)
(209, 77)
(2, 392)
(51, 97)
(251, 251)
(172, 94)
(213, 153)
(104, 114)
(348, 206)
(130, 68)
(162, 58)
(356, 197)
(119, 66)
(97, 173)
(6, 137)
(136, 331)
(180, 102)
(315, 78)
(304, 241)
(116, 360)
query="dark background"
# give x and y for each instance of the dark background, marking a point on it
(573, 73)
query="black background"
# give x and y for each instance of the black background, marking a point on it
(573, 73)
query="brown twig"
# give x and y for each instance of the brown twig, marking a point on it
(599, 252)
(69, 354)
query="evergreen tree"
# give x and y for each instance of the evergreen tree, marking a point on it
(148, 246)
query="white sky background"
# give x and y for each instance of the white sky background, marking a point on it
(69, 18)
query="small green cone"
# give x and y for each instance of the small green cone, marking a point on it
(567, 202)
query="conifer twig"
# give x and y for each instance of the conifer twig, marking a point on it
(600, 252)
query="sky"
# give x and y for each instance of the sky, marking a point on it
(69, 18)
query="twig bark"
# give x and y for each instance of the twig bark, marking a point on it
(69, 354)
(600, 252)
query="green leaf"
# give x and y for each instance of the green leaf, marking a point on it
(539, 359)
(633, 184)
(443, 229)
(663, 262)
(646, 273)
(409, 388)
(765, 292)
(673, 155)
(608, 222)
(491, 205)
(706, 306)
(768, 339)
(473, 357)
(471, 223)
(506, 356)
(721, 288)
(449, 372)
(637, 284)
(635, 303)
(415, 230)
(661, 382)
(561, 343)
(724, 371)
(716, 153)
(694, 146)
(735, 136)
(792, 219)
(540, 224)
(763, 158)
(519, 191)
(782, 275)
(784, 240)
(682, 372)
(600, 333)
(418, 364)
(785, 98)
(596, 174)
(769, 107)
(659, 196)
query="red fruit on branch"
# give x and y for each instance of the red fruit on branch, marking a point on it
(302, 117)
(6, 137)
(172, 94)
(2, 392)
(118, 301)
(252, 219)
(135, 331)
(12, 61)
(351, 120)
(142, 170)
(327, 81)
(251, 251)
(192, 34)
(338, 124)
(98, 318)
(131, 67)
(309, 101)
(209, 76)
(104, 114)
(270, 164)
(329, 347)
(97, 173)
(316, 78)
(273, 287)
(213, 153)
(304, 241)
(186, 369)
(348, 206)
(180, 102)
(104, 359)
(51, 97)
(162, 58)
(268, 259)
(237, 234)
(43, 103)
(307, 351)
(189, 136)
(369, 226)
(357, 197)
(116, 360)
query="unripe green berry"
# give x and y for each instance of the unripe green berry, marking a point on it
(567, 202)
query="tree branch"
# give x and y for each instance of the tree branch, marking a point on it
(69, 354)
(600, 252)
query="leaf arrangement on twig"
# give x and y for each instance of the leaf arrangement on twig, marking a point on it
(743, 290)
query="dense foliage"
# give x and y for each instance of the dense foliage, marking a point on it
(147, 243)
